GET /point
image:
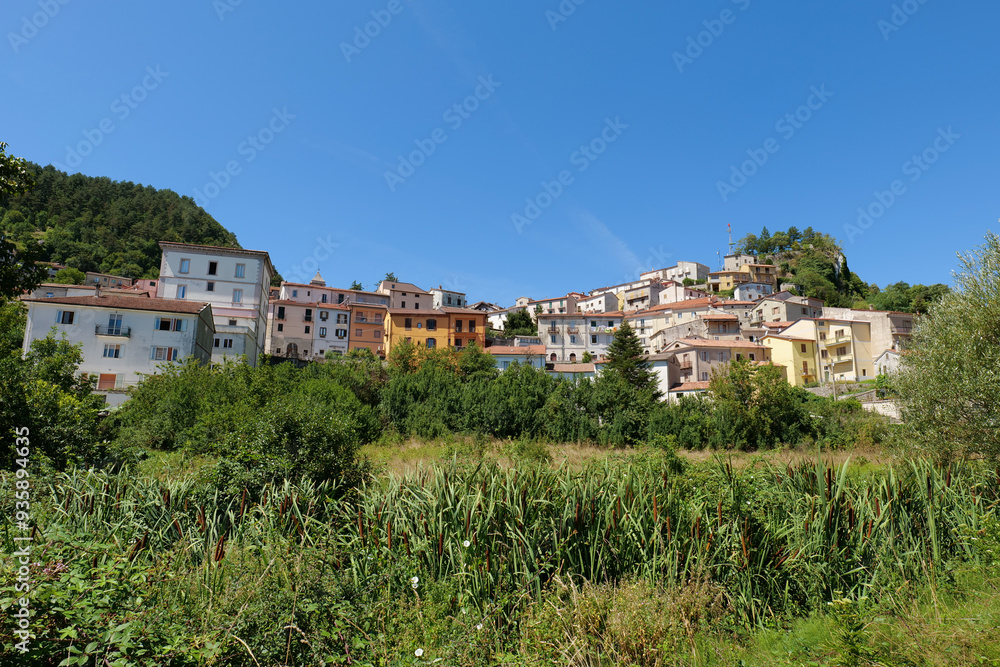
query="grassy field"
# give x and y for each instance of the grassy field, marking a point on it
(465, 551)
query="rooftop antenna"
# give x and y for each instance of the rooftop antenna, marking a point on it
(729, 226)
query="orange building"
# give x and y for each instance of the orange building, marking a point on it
(368, 328)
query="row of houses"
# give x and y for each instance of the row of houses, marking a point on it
(211, 303)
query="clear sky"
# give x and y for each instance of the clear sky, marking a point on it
(625, 135)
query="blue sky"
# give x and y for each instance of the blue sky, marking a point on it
(626, 136)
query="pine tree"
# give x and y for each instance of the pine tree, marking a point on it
(627, 358)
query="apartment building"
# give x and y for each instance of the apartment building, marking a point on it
(784, 307)
(695, 358)
(124, 338)
(844, 347)
(642, 297)
(557, 306)
(368, 328)
(797, 355)
(406, 296)
(605, 302)
(236, 282)
(442, 298)
(442, 327)
(677, 273)
(753, 291)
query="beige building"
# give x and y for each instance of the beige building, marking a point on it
(406, 296)
(784, 307)
(695, 358)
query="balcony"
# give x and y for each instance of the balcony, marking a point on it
(842, 339)
(572, 330)
(553, 330)
(307, 318)
(361, 320)
(687, 365)
(123, 332)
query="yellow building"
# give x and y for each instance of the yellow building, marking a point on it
(844, 347)
(797, 355)
(443, 327)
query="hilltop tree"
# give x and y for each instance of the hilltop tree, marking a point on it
(391, 277)
(519, 323)
(627, 358)
(356, 286)
(70, 276)
(949, 378)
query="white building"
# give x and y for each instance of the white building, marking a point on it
(605, 302)
(442, 298)
(693, 270)
(752, 291)
(124, 338)
(672, 292)
(234, 281)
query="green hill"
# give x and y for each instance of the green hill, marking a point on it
(95, 224)
(817, 264)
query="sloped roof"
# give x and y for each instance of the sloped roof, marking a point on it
(524, 350)
(121, 302)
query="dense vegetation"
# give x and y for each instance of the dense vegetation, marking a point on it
(96, 224)
(816, 263)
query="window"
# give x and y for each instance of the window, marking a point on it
(431, 343)
(404, 305)
(704, 356)
(213, 268)
(169, 324)
(341, 333)
(357, 333)
(237, 296)
(115, 325)
(324, 315)
(802, 347)
(241, 270)
(307, 329)
(216, 342)
(407, 323)
(163, 353)
(295, 293)
(378, 334)
(322, 332)
(449, 299)
(593, 323)
(324, 299)
(232, 323)
(185, 266)
(593, 340)
(281, 312)
(308, 316)
(342, 318)
(227, 343)
(572, 339)
(210, 287)
(432, 325)
(753, 357)
(340, 298)
(181, 291)
(805, 312)
(472, 326)
(552, 339)
(458, 326)
(416, 306)
(704, 376)
(281, 327)
(112, 351)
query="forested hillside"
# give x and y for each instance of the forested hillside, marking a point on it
(817, 264)
(95, 224)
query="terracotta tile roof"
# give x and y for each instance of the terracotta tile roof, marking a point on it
(689, 386)
(524, 350)
(573, 368)
(720, 316)
(804, 339)
(64, 286)
(776, 325)
(403, 287)
(312, 304)
(121, 302)
(451, 310)
(700, 342)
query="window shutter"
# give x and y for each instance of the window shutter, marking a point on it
(152, 352)
(156, 324)
(184, 325)
(58, 317)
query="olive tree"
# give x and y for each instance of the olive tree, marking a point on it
(949, 377)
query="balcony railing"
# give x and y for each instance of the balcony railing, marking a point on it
(124, 332)
(553, 330)
(572, 330)
(687, 365)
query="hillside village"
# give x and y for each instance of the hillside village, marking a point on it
(213, 303)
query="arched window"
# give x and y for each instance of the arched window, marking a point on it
(572, 356)
(552, 357)
(293, 350)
